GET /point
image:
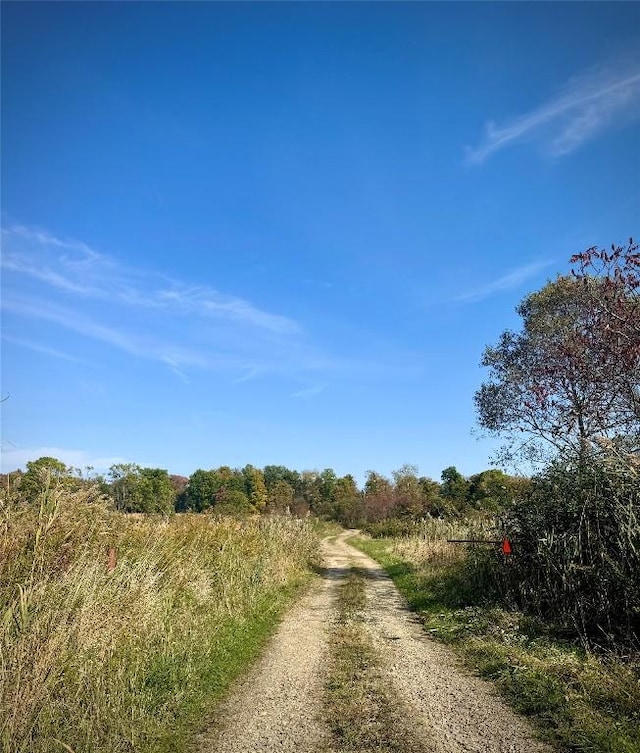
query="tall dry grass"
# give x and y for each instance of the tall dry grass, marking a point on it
(428, 539)
(122, 660)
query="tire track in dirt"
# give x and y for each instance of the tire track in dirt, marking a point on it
(278, 707)
(454, 711)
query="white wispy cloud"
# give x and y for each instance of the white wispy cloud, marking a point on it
(141, 312)
(586, 106)
(205, 302)
(176, 356)
(511, 280)
(39, 348)
(309, 391)
(148, 315)
(74, 267)
(70, 319)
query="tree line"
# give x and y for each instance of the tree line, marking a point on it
(276, 489)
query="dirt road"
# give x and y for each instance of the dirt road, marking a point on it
(281, 705)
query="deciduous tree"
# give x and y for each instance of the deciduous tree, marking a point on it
(281, 498)
(155, 492)
(201, 492)
(255, 488)
(454, 487)
(572, 374)
(123, 486)
(408, 492)
(43, 473)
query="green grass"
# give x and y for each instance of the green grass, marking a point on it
(237, 646)
(579, 701)
(132, 660)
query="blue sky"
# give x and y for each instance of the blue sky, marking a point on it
(284, 232)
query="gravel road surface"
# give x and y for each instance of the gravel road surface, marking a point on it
(278, 706)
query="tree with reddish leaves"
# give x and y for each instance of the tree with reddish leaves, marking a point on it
(571, 377)
(611, 280)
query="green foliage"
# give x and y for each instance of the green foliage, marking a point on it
(255, 487)
(535, 389)
(43, 474)
(570, 380)
(224, 491)
(309, 497)
(347, 501)
(571, 374)
(155, 492)
(412, 498)
(123, 487)
(493, 490)
(274, 473)
(201, 491)
(280, 497)
(233, 502)
(454, 487)
(390, 528)
(326, 489)
(136, 489)
(577, 538)
(433, 502)
(409, 500)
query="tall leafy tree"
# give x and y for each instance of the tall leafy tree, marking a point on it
(570, 381)
(202, 489)
(255, 487)
(491, 489)
(281, 498)
(454, 487)
(274, 473)
(572, 373)
(41, 474)
(379, 497)
(310, 491)
(155, 492)
(408, 492)
(347, 501)
(432, 502)
(231, 501)
(123, 485)
(179, 484)
(327, 488)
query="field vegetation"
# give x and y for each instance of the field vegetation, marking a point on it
(128, 655)
(579, 698)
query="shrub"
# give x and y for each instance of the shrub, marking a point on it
(576, 538)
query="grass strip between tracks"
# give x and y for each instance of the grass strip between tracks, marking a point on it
(359, 709)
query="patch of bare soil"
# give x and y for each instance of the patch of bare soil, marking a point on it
(279, 705)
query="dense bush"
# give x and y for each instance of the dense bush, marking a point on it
(391, 528)
(576, 538)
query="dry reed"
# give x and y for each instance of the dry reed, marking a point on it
(93, 659)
